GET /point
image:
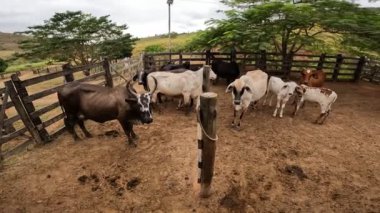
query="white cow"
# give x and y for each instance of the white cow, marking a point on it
(248, 89)
(283, 90)
(325, 97)
(187, 84)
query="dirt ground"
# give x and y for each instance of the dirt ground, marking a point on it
(270, 165)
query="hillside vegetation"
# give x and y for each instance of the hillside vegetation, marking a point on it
(177, 42)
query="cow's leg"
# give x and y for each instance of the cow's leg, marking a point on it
(277, 107)
(241, 116)
(297, 106)
(128, 129)
(266, 97)
(270, 100)
(70, 125)
(324, 118)
(85, 131)
(282, 107)
(233, 121)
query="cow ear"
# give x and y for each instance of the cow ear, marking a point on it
(229, 88)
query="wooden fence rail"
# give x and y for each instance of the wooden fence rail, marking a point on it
(338, 67)
(36, 118)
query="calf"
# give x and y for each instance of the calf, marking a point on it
(187, 84)
(169, 66)
(325, 97)
(80, 101)
(248, 89)
(314, 78)
(283, 90)
(229, 71)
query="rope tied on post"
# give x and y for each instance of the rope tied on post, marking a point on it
(198, 111)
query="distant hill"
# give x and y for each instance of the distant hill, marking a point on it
(9, 44)
(178, 40)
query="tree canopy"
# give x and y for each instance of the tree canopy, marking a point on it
(3, 65)
(77, 37)
(285, 27)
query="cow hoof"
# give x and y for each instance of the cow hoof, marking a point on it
(280, 116)
(132, 144)
(274, 115)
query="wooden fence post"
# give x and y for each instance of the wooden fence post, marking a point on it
(288, 65)
(206, 141)
(321, 61)
(108, 75)
(263, 60)
(22, 111)
(206, 78)
(359, 68)
(69, 76)
(208, 57)
(338, 64)
(2, 117)
(233, 55)
(180, 57)
(29, 107)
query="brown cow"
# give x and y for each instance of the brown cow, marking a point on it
(81, 101)
(315, 78)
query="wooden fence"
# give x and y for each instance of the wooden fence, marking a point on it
(371, 71)
(337, 67)
(37, 112)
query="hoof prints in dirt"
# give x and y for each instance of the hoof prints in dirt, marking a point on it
(232, 200)
(133, 183)
(113, 181)
(295, 170)
(111, 133)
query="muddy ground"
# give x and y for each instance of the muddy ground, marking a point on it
(270, 165)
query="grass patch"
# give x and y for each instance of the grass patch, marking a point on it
(26, 66)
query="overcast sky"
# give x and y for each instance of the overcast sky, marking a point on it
(143, 17)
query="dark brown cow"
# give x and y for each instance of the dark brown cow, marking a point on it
(81, 101)
(313, 78)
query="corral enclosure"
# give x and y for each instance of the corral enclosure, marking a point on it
(253, 168)
(271, 164)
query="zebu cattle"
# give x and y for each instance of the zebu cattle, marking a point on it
(187, 84)
(283, 91)
(248, 89)
(81, 101)
(323, 96)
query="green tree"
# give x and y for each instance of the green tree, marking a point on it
(286, 28)
(3, 65)
(77, 37)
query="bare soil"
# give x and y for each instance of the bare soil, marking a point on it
(270, 165)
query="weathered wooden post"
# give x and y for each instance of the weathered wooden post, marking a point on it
(206, 78)
(22, 111)
(29, 107)
(263, 60)
(321, 61)
(359, 68)
(206, 141)
(208, 57)
(338, 64)
(2, 117)
(180, 57)
(107, 71)
(233, 55)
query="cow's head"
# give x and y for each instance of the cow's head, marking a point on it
(289, 88)
(142, 102)
(300, 90)
(306, 74)
(238, 89)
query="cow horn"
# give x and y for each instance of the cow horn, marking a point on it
(155, 83)
(130, 89)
